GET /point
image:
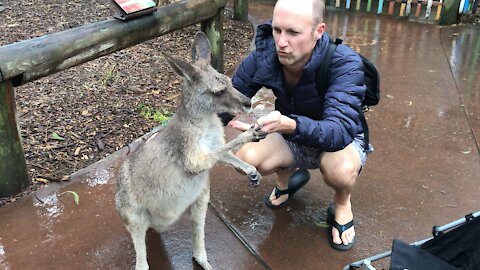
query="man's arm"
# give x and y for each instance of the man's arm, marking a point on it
(243, 78)
(340, 122)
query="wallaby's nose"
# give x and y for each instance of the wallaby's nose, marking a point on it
(247, 103)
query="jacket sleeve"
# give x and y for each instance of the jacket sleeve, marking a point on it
(243, 78)
(340, 122)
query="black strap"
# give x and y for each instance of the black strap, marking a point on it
(322, 81)
(323, 70)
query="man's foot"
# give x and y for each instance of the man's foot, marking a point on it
(341, 232)
(279, 198)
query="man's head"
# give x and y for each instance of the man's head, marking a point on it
(297, 25)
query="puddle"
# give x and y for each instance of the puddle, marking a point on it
(101, 178)
(51, 205)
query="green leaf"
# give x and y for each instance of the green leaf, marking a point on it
(74, 194)
(57, 137)
(321, 224)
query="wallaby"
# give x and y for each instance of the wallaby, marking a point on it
(170, 172)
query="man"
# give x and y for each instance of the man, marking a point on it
(306, 131)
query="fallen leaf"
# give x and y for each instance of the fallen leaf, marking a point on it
(57, 137)
(41, 180)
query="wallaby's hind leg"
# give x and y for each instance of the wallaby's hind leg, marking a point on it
(198, 213)
(138, 228)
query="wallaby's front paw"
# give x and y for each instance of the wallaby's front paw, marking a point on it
(257, 133)
(255, 179)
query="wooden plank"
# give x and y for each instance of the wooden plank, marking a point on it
(429, 8)
(466, 6)
(408, 8)
(391, 7)
(439, 11)
(369, 5)
(419, 8)
(462, 4)
(380, 7)
(402, 8)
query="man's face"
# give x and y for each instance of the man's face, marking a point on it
(294, 34)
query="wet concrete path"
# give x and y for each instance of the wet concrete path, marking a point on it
(424, 172)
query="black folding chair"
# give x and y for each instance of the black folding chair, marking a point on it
(454, 246)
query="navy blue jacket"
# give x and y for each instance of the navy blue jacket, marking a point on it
(328, 123)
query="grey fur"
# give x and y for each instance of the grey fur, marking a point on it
(170, 172)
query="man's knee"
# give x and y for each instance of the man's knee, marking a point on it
(248, 154)
(342, 170)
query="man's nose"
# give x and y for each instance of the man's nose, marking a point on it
(282, 41)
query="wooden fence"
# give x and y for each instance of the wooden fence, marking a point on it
(437, 11)
(39, 57)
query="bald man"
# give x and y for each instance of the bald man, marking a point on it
(306, 130)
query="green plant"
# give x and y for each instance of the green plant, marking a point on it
(76, 198)
(160, 116)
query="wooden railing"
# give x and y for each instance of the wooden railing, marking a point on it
(39, 57)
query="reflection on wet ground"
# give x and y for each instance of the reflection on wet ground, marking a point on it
(423, 173)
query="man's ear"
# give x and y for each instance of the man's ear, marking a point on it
(319, 30)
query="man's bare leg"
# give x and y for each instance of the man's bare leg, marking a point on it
(270, 155)
(340, 170)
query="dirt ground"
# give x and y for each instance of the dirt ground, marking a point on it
(76, 117)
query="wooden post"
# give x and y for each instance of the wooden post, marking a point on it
(13, 170)
(240, 10)
(213, 28)
(449, 13)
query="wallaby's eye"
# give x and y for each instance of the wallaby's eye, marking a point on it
(220, 92)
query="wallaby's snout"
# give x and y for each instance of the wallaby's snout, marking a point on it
(247, 103)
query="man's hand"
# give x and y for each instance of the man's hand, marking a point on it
(239, 125)
(276, 122)
(272, 122)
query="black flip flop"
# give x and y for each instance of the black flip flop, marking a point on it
(297, 180)
(341, 229)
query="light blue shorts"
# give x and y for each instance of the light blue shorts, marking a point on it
(305, 157)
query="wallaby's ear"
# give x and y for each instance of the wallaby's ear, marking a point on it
(201, 49)
(182, 68)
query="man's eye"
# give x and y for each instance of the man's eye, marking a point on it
(276, 30)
